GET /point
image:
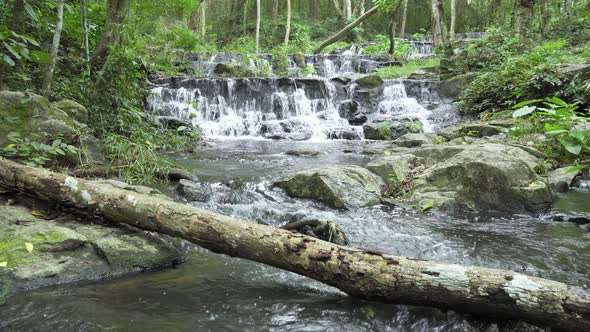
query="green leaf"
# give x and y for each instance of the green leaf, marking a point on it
(576, 168)
(427, 206)
(523, 111)
(526, 103)
(29, 246)
(7, 59)
(557, 101)
(40, 57)
(31, 12)
(3, 264)
(572, 147)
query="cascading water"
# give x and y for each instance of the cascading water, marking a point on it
(295, 109)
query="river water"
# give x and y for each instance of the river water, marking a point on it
(212, 292)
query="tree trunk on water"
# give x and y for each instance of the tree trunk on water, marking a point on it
(346, 30)
(46, 85)
(367, 275)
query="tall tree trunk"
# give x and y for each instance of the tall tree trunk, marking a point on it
(367, 275)
(18, 16)
(523, 15)
(402, 32)
(313, 8)
(392, 26)
(453, 18)
(340, 34)
(245, 20)
(275, 10)
(257, 26)
(46, 86)
(439, 35)
(203, 10)
(83, 12)
(116, 13)
(288, 26)
(348, 9)
(569, 8)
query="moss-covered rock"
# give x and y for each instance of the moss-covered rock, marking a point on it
(476, 177)
(20, 112)
(65, 250)
(73, 110)
(370, 81)
(336, 186)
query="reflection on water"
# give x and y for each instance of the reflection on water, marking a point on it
(216, 293)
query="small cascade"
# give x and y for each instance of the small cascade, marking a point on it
(287, 108)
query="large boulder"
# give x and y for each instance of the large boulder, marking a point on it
(73, 110)
(41, 253)
(476, 177)
(336, 186)
(21, 113)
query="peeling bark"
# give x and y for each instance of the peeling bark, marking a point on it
(368, 275)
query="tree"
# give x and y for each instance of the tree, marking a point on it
(402, 32)
(288, 26)
(453, 18)
(257, 26)
(439, 30)
(112, 33)
(340, 34)
(392, 26)
(46, 86)
(523, 15)
(83, 12)
(203, 10)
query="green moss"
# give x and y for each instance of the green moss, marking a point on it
(384, 131)
(370, 82)
(408, 68)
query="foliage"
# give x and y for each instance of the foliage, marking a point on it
(407, 68)
(511, 76)
(568, 136)
(33, 152)
(381, 46)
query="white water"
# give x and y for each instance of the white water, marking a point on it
(282, 109)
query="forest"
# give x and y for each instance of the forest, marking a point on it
(301, 165)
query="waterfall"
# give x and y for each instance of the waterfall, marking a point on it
(287, 108)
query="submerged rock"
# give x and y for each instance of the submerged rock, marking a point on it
(194, 191)
(477, 177)
(336, 186)
(177, 174)
(561, 179)
(41, 253)
(303, 153)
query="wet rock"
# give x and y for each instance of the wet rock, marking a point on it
(476, 177)
(336, 186)
(321, 229)
(172, 123)
(453, 87)
(65, 250)
(303, 153)
(370, 81)
(344, 133)
(560, 180)
(194, 191)
(72, 109)
(415, 140)
(177, 174)
(386, 129)
(472, 129)
(232, 69)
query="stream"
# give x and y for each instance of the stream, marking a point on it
(213, 292)
(249, 125)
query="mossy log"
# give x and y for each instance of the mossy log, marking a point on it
(498, 294)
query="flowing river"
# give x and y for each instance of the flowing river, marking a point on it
(213, 292)
(249, 126)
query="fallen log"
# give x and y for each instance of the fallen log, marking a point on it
(368, 275)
